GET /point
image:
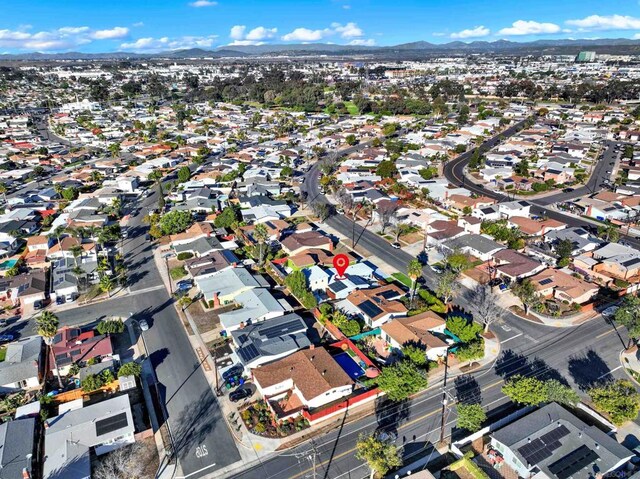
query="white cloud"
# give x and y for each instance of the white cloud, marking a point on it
(529, 27)
(606, 22)
(203, 3)
(256, 36)
(369, 42)
(476, 32)
(350, 30)
(63, 38)
(115, 32)
(307, 35)
(151, 44)
(636, 36)
(346, 7)
(138, 24)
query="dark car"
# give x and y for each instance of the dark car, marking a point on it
(240, 394)
(6, 338)
(567, 190)
(233, 371)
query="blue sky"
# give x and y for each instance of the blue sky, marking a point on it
(158, 25)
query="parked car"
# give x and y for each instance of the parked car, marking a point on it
(184, 285)
(233, 371)
(610, 312)
(6, 338)
(395, 245)
(240, 394)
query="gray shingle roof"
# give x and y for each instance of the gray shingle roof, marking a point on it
(16, 442)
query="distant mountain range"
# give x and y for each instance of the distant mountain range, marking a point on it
(406, 50)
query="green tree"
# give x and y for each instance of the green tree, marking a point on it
(175, 222)
(529, 391)
(628, 314)
(457, 261)
(70, 193)
(184, 174)
(401, 380)
(464, 329)
(389, 129)
(619, 399)
(114, 149)
(526, 292)
(106, 284)
(470, 416)
(386, 169)
(609, 233)
(471, 351)
(351, 140)
(414, 270)
(297, 284)
(110, 326)
(447, 287)
(415, 353)
(130, 369)
(381, 455)
(47, 327)
(558, 392)
(564, 249)
(229, 216)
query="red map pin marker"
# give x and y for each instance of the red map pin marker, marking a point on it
(341, 263)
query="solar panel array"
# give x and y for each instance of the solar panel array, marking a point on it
(248, 353)
(545, 281)
(388, 294)
(573, 462)
(338, 286)
(275, 331)
(370, 309)
(110, 424)
(543, 447)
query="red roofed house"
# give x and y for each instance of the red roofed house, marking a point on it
(71, 345)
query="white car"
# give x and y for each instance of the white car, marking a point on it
(610, 312)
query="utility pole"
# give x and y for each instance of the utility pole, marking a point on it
(310, 455)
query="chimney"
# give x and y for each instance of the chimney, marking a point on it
(324, 372)
(216, 300)
(25, 473)
(46, 425)
(313, 346)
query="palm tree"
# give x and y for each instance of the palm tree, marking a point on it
(106, 284)
(114, 148)
(76, 251)
(47, 324)
(57, 233)
(3, 191)
(116, 206)
(414, 270)
(261, 235)
(95, 176)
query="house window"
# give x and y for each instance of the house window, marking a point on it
(22, 384)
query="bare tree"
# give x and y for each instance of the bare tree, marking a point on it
(320, 209)
(488, 311)
(345, 199)
(447, 287)
(387, 212)
(124, 463)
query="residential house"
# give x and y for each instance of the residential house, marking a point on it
(479, 246)
(298, 242)
(17, 448)
(70, 437)
(618, 261)
(258, 304)
(551, 442)
(513, 265)
(375, 306)
(555, 283)
(222, 287)
(458, 203)
(268, 341)
(309, 379)
(71, 345)
(424, 329)
(531, 227)
(211, 263)
(20, 369)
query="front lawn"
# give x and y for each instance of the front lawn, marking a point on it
(402, 278)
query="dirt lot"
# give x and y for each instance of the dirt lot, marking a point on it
(207, 320)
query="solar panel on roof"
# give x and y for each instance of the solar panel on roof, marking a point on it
(338, 286)
(535, 451)
(110, 424)
(248, 353)
(573, 462)
(370, 309)
(555, 434)
(545, 281)
(388, 294)
(275, 331)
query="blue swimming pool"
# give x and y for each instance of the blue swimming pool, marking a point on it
(350, 366)
(8, 264)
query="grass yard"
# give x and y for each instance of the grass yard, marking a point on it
(351, 108)
(402, 278)
(3, 353)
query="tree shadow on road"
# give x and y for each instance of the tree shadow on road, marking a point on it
(588, 369)
(510, 364)
(391, 414)
(468, 390)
